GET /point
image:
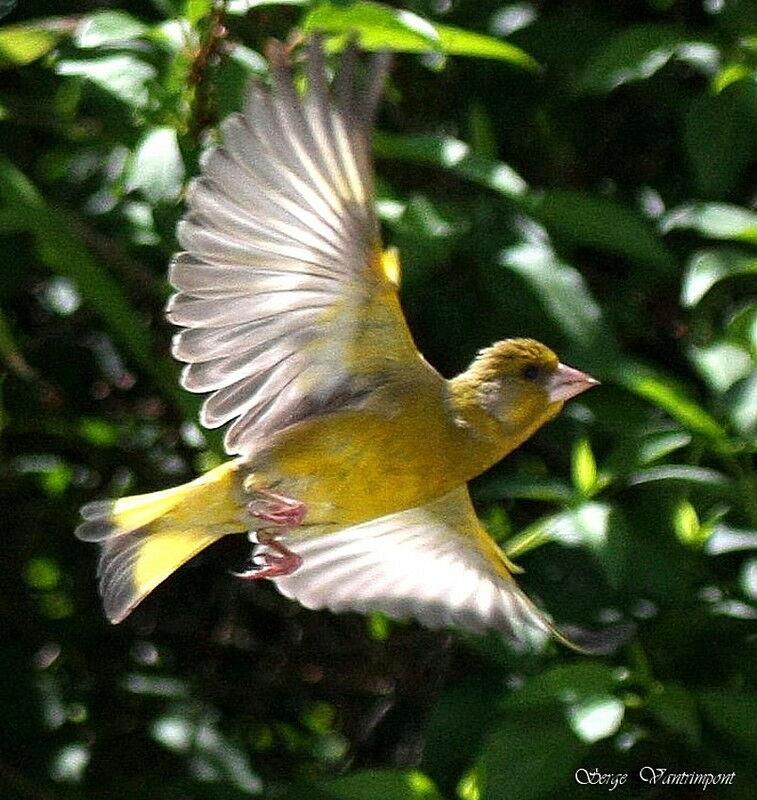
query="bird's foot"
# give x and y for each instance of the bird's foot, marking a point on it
(268, 565)
(281, 513)
(277, 509)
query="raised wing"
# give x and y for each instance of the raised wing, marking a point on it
(286, 299)
(434, 563)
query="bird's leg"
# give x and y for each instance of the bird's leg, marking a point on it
(282, 514)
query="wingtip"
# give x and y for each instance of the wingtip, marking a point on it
(596, 643)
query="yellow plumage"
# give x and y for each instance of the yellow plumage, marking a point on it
(147, 537)
(353, 452)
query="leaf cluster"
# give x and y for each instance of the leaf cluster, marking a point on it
(579, 172)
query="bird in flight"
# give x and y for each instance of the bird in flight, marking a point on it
(351, 453)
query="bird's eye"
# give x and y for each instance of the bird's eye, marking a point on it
(530, 372)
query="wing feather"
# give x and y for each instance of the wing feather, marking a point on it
(227, 215)
(427, 563)
(279, 292)
(268, 374)
(224, 340)
(229, 369)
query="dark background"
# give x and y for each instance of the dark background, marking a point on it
(602, 206)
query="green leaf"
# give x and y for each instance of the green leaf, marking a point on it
(426, 220)
(379, 626)
(548, 490)
(658, 389)
(545, 529)
(379, 27)
(637, 52)
(748, 579)
(721, 364)
(452, 155)
(591, 523)
(658, 445)
(253, 64)
(740, 403)
(196, 10)
(376, 26)
(596, 717)
(497, 523)
(54, 473)
(157, 169)
(741, 329)
(215, 755)
(481, 133)
(707, 267)
(459, 42)
(730, 73)
(599, 527)
(595, 221)
(719, 138)
(564, 683)
(546, 727)
(243, 6)
(584, 468)
(62, 252)
(463, 712)
(108, 27)
(718, 285)
(566, 299)
(675, 709)
(232, 76)
(124, 76)
(587, 525)
(98, 432)
(529, 755)
(42, 574)
(22, 44)
(584, 691)
(426, 234)
(725, 539)
(686, 524)
(732, 714)
(714, 220)
(376, 784)
(682, 473)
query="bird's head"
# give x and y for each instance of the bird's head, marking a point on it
(522, 383)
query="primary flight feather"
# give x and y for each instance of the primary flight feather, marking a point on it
(353, 453)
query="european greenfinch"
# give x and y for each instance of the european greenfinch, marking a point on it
(352, 453)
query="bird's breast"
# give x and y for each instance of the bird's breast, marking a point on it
(352, 466)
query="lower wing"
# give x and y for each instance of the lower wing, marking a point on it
(434, 563)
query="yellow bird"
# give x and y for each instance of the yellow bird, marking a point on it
(352, 452)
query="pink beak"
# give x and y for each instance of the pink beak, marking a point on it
(568, 382)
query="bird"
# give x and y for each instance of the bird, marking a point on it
(349, 453)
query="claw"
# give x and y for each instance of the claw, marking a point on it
(268, 565)
(277, 509)
(281, 513)
(275, 568)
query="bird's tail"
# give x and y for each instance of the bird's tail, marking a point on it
(146, 537)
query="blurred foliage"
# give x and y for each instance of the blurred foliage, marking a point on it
(577, 171)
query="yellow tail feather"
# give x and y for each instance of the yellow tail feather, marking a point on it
(146, 537)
